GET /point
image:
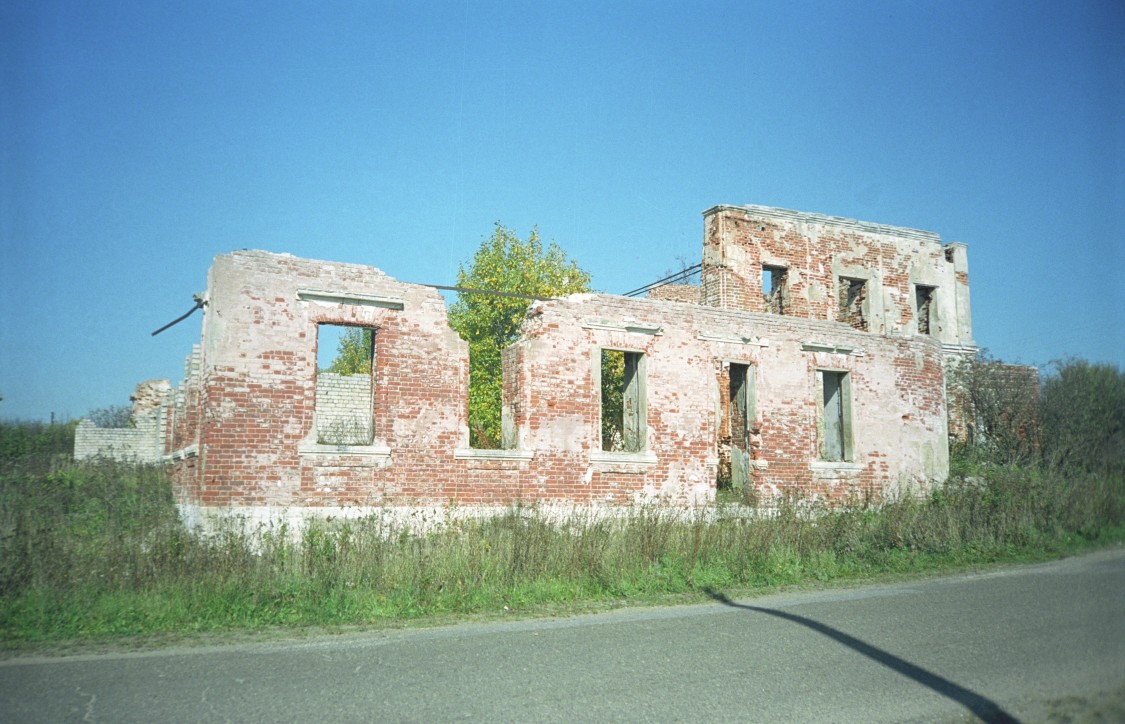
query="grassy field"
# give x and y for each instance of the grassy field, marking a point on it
(96, 551)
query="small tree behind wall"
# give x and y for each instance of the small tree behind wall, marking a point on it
(503, 263)
(353, 352)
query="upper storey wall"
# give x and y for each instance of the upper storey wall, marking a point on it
(904, 281)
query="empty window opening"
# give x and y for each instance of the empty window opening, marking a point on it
(923, 305)
(735, 423)
(852, 298)
(774, 288)
(835, 418)
(345, 360)
(486, 416)
(622, 401)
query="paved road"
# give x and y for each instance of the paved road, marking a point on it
(1028, 643)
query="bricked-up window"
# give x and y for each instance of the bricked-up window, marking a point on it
(923, 308)
(775, 282)
(344, 392)
(623, 409)
(835, 424)
(852, 297)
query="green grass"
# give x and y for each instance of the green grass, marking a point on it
(96, 552)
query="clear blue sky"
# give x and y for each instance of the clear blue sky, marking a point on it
(140, 139)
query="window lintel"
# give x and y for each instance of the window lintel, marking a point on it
(362, 300)
(813, 346)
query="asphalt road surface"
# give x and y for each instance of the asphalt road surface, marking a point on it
(1033, 643)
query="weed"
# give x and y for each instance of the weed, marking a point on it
(91, 550)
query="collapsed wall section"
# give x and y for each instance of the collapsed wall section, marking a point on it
(142, 441)
(138, 444)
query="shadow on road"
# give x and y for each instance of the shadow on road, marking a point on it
(984, 708)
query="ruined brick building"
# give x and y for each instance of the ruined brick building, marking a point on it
(810, 359)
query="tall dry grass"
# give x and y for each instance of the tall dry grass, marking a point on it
(97, 549)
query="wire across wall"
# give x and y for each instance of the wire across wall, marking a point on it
(681, 276)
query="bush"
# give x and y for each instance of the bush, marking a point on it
(1083, 411)
(1001, 408)
(1074, 423)
(36, 445)
(112, 416)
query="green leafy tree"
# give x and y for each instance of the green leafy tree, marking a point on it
(1084, 418)
(613, 400)
(503, 263)
(1074, 423)
(353, 352)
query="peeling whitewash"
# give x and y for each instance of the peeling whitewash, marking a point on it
(241, 432)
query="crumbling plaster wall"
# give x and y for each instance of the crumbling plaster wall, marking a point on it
(255, 431)
(898, 401)
(241, 429)
(818, 250)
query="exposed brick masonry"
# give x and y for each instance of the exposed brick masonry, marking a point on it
(245, 429)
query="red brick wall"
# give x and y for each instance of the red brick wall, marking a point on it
(251, 409)
(687, 293)
(817, 250)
